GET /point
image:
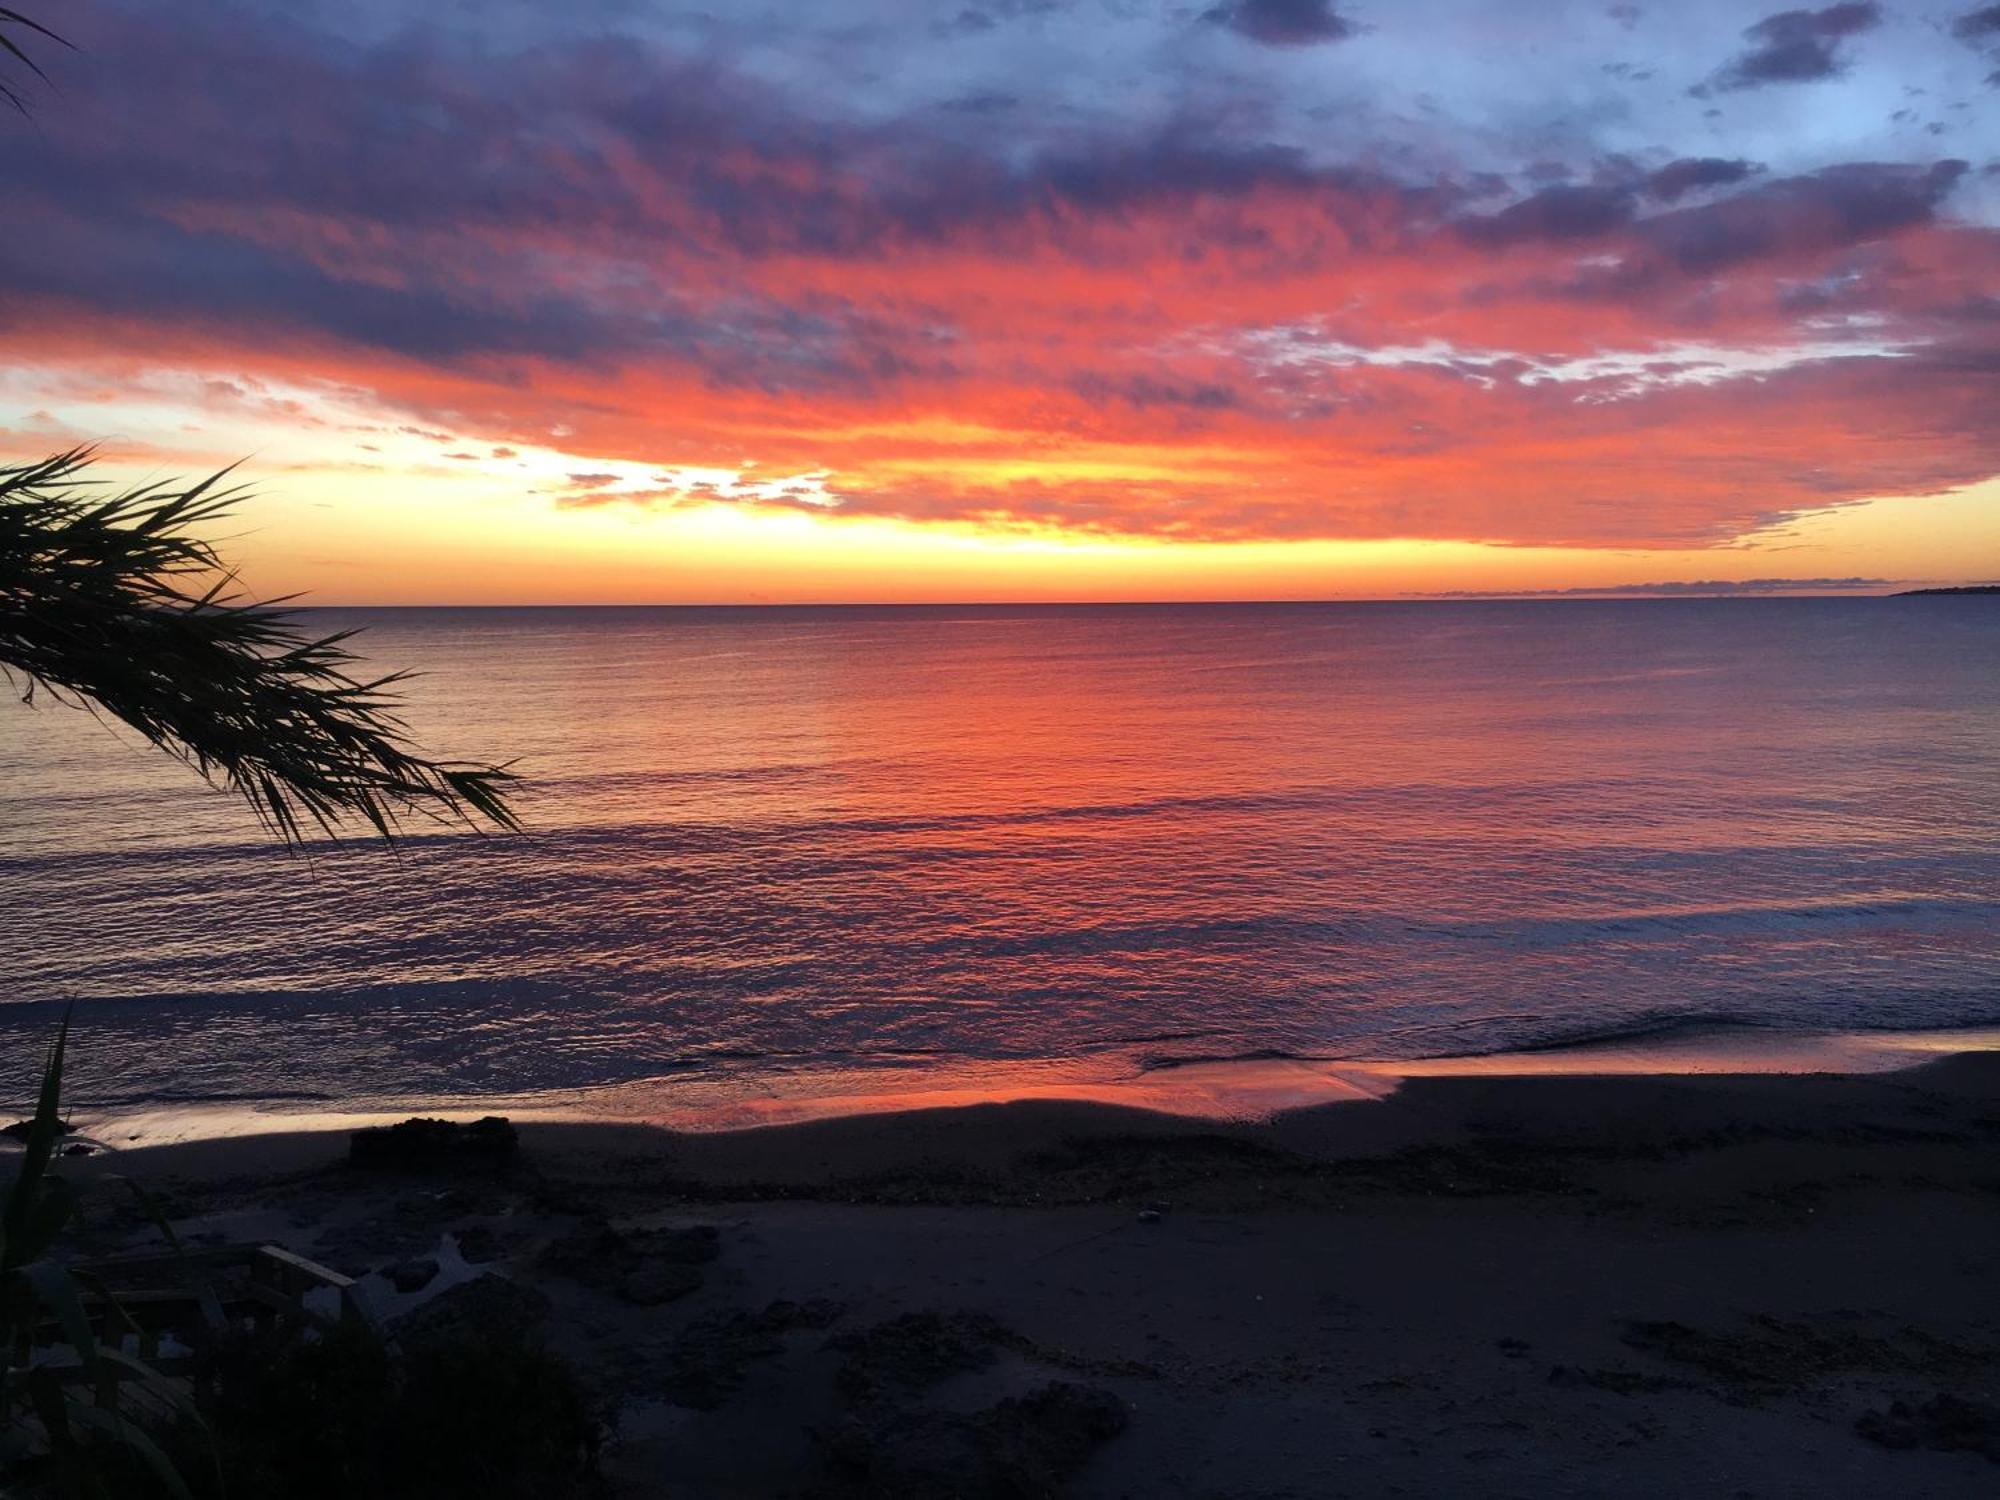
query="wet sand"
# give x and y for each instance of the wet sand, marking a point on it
(1572, 1285)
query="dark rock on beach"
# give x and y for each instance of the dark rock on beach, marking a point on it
(914, 1352)
(479, 1244)
(1767, 1356)
(411, 1275)
(1947, 1424)
(487, 1307)
(418, 1145)
(20, 1130)
(1021, 1448)
(706, 1364)
(657, 1282)
(641, 1266)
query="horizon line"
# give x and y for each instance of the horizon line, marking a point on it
(1608, 597)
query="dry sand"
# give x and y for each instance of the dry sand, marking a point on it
(1488, 1285)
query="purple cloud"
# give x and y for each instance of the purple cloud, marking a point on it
(1691, 174)
(1798, 46)
(1978, 27)
(1283, 23)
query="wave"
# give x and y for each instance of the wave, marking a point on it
(1658, 1026)
(1360, 926)
(1654, 1028)
(1725, 920)
(676, 836)
(1256, 1054)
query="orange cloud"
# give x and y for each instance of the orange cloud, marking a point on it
(1170, 332)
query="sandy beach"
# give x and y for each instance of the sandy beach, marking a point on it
(1745, 1285)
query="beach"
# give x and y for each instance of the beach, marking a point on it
(1745, 1284)
(866, 751)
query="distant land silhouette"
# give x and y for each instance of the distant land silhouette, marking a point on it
(1965, 588)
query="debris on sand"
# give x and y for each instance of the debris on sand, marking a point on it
(1022, 1447)
(642, 1266)
(480, 1244)
(1618, 1382)
(1945, 1423)
(1774, 1356)
(411, 1275)
(487, 1307)
(707, 1363)
(913, 1352)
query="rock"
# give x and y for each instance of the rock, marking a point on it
(78, 1148)
(478, 1244)
(20, 1130)
(708, 1362)
(660, 1281)
(411, 1275)
(643, 1266)
(430, 1145)
(1618, 1382)
(1948, 1424)
(1024, 1446)
(487, 1307)
(914, 1352)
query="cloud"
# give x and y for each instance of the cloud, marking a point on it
(1980, 27)
(1282, 23)
(1691, 174)
(1175, 321)
(1798, 46)
(1829, 210)
(1559, 213)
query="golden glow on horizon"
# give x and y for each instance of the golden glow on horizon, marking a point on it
(471, 541)
(352, 507)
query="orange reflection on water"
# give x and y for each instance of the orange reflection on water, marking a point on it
(1243, 1090)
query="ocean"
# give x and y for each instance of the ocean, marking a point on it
(790, 850)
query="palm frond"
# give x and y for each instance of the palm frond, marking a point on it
(111, 600)
(13, 52)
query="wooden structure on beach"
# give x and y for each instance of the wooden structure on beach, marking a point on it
(196, 1296)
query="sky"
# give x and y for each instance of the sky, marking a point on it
(624, 301)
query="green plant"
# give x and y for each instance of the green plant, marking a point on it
(112, 601)
(34, 1286)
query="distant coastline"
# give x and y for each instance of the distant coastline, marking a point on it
(1964, 588)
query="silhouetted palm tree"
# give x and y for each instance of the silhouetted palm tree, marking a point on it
(110, 601)
(16, 23)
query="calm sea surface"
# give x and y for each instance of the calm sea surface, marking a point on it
(894, 845)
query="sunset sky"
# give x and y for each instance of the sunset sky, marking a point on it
(625, 301)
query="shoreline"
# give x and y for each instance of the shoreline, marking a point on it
(1225, 1090)
(1652, 1284)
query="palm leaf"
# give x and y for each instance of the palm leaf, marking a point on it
(25, 1216)
(54, 1289)
(11, 48)
(121, 1430)
(113, 601)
